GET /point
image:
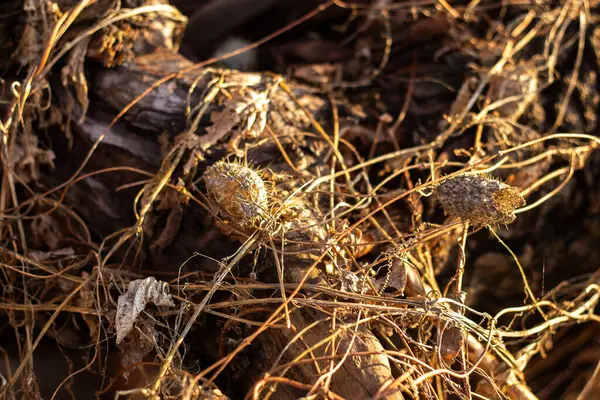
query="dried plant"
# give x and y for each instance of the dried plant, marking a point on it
(479, 200)
(239, 193)
(319, 267)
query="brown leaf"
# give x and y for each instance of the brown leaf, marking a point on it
(223, 122)
(452, 342)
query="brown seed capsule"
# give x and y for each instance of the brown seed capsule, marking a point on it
(479, 200)
(239, 193)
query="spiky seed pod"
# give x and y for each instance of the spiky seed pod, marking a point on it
(479, 200)
(239, 193)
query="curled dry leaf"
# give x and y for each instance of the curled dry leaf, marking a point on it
(139, 293)
(479, 200)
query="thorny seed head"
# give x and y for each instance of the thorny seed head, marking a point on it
(239, 193)
(479, 200)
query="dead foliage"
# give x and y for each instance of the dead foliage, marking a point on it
(404, 204)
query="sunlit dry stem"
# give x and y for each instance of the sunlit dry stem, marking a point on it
(543, 199)
(528, 290)
(585, 312)
(45, 328)
(279, 264)
(218, 279)
(462, 260)
(576, 68)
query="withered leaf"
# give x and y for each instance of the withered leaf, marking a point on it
(223, 122)
(452, 341)
(142, 343)
(139, 293)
